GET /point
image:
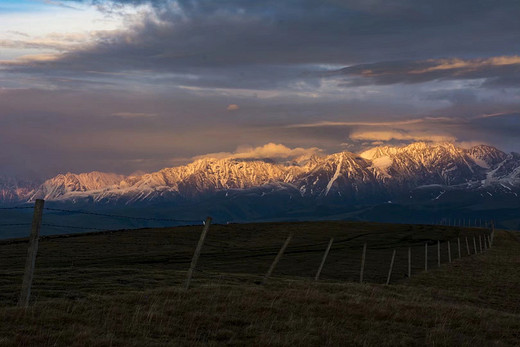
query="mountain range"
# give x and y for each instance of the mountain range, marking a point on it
(435, 177)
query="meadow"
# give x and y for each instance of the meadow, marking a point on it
(126, 288)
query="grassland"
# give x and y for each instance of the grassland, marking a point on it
(125, 288)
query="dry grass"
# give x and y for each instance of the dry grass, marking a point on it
(473, 301)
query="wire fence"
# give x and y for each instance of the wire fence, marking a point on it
(123, 217)
(70, 265)
(17, 208)
(13, 221)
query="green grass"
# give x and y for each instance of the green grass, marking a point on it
(125, 289)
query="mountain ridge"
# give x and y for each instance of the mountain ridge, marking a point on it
(376, 174)
(417, 183)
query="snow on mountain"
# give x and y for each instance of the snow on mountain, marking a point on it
(345, 174)
(13, 190)
(378, 152)
(376, 174)
(422, 163)
(486, 156)
(69, 183)
(507, 170)
(210, 175)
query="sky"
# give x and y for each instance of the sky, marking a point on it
(135, 86)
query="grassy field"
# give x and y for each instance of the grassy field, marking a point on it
(125, 288)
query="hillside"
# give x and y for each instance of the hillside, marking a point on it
(125, 288)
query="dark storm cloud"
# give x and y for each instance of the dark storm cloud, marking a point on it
(159, 89)
(217, 39)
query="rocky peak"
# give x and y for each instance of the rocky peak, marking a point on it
(64, 183)
(487, 156)
(380, 169)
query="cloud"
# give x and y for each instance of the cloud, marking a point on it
(53, 41)
(370, 123)
(310, 74)
(232, 107)
(420, 71)
(157, 3)
(461, 65)
(59, 3)
(242, 43)
(31, 59)
(134, 114)
(390, 135)
(268, 151)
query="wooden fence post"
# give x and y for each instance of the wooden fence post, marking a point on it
(475, 244)
(409, 262)
(438, 253)
(32, 251)
(426, 256)
(391, 268)
(484, 241)
(277, 258)
(458, 247)
(196, 255)
(323, 260)
(363, 257)
(489, 240)
(449, 251)
(480, 243)
(492, 231)
(467, 245)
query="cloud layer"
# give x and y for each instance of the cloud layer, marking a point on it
(154, 80)
(500, 70)
(271, 151)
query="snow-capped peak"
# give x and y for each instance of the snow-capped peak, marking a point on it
(62, 184)
(487, 156)
(376, 171)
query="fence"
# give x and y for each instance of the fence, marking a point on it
(376, 256)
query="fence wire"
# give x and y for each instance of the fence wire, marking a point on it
(123, 216)
(71, 227)
(15, 228)
(17, 208)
